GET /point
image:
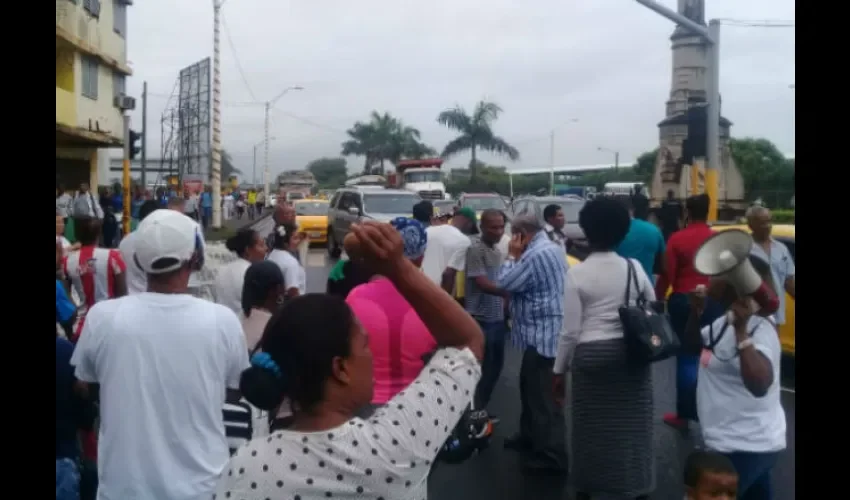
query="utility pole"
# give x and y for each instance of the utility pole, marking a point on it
(712, 36)
(552, 163)
(215, 166)
(144, 135)
(125, 219)
(268, 107)
(613, 152)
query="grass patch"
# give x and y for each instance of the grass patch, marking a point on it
(221, 234)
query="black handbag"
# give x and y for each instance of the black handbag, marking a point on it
(648, 334)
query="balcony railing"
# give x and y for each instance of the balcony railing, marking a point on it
(66, 108)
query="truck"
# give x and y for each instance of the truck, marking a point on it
(422, 177)
(295, 185)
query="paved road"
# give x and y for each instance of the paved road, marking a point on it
(495, 473)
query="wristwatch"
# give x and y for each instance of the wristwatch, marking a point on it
(745, 343)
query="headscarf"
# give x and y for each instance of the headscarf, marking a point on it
(414, 236)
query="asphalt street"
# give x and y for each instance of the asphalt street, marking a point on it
(496, 472)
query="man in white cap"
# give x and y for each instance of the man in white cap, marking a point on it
(164, 362)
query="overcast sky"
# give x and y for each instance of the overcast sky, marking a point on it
(597, 71)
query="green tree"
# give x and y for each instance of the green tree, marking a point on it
(475, 132)
(228, 169)
(328, 172)
(645, 165)
(384, 138)
(767, 173)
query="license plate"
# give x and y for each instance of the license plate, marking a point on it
(315, 234)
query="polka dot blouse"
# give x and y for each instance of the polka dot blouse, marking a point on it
(386, 457)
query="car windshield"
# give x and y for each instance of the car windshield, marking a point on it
(389, 203)
(311, 208)
(479, 203)
(433, 176)
(570, 209)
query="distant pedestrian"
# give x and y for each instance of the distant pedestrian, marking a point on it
(553, 214)
(285, 246)
(776, 253)
(640, 203)
(206, 207)
(644, 243)
(683, 278)
(249, 247)
(670, 215)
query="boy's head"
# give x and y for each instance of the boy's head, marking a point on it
(710, 476)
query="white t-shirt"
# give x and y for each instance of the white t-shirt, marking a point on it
(163, 362)
(137, 280)
(732, 419)
(387, 456)
(228, 284)
(446, 249)
(294, 275)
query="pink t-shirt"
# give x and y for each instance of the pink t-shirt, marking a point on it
(397, 337)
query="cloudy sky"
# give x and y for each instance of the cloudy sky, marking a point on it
(596, 71)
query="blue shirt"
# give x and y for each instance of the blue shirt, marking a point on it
(64, 307)
(535, 282)
(643, 243)
(206, 200)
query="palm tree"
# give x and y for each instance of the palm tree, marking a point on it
(475, 132)
(383, 138)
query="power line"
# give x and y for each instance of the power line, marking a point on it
(236, 58)
(311, 123)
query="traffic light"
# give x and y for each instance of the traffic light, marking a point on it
(134, 138)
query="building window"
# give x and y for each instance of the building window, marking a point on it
(119, 84)
(119, 17)
(90, 69)
(92, 7)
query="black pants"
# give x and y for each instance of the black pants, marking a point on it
(495, 333)
(542, 425)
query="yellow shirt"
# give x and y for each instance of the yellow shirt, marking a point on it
(252, 198)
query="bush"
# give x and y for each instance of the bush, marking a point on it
(783, 216)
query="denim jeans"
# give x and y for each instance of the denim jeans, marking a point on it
(67, 480)
(754, 474)
(495, 333)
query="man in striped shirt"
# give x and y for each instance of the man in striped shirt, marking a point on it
(96, 274)
(533, 276)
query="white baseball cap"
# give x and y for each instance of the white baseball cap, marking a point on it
(166, 240)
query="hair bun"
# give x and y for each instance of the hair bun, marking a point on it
(262, 387)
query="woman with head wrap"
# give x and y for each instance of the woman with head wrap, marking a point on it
(398, 338)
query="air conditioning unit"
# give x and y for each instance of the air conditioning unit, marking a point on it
(125, 102)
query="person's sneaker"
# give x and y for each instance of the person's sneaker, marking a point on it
(675, 422)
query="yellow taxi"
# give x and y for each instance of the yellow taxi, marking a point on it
(312, 218)
(784, 233)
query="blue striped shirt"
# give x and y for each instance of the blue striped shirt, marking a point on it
(536, 285)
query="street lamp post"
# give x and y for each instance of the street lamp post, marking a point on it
(613, 152)
(268, 106)
(712, 36)
(552, 155)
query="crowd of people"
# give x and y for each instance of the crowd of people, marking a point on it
(273, 392)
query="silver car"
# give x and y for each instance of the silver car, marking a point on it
(352, 205)
(571, 206)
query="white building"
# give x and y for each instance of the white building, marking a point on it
(91, 70)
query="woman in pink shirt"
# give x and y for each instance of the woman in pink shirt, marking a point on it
(398, 338)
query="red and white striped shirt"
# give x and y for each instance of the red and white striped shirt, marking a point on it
(92, 272)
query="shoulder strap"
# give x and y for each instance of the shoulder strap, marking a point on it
(632, 275)
(628, 283)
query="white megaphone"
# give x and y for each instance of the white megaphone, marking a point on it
(727, 254)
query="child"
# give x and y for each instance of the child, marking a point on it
(710, 476)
